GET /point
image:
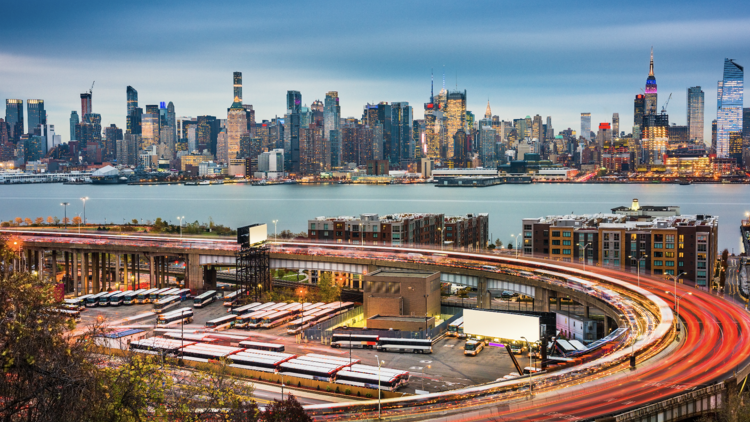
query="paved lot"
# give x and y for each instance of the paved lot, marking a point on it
(446, 368)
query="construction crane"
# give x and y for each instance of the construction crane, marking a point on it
(664, 108)
(91, 90)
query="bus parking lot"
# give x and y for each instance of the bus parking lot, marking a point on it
(444, 369)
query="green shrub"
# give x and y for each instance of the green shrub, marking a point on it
(347, 391)
(368, 395)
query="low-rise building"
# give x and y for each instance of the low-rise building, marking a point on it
(402, 293)
(469, 231)
(655, 238)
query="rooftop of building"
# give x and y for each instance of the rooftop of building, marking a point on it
(390, 218)
(621, 221)
(399, 318)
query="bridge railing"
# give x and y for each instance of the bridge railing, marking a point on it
(686, 406)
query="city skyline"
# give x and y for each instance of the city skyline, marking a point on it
(535, 73)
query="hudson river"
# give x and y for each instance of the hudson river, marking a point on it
(293, 205)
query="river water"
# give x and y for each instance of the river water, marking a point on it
(293, 205)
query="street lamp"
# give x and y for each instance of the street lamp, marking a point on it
(675, 282)
(517, 237)
(584, 254)
(84, 199)
(638, 271)
(440, 229)
(65, 218)
(677, 305)
(379, 363)
(282, 386)
(181, 220)
(530, 363)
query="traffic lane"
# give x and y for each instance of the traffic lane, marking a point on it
(662, 383)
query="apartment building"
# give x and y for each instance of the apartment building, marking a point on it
(404, 229)
(655, 238)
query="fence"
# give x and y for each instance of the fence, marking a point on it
(323, 331)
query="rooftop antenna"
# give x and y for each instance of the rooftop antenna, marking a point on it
(432, 86)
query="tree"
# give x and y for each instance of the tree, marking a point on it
(18, 221)
(510, 245)
(50, 220)
(39, 221)
(498, 244)
(28, 221)
(288, 410)
(56, 221)
(328, 289)
(77, 220)
(134, 221)
(66, 220)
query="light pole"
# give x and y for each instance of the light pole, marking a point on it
(282, 386)
(440, 229)
(638, 271)
(530, 364)
(379, 363)
(274, 229)
(65, 217)
(677, 305)
(517, 237)
(181, 220)
(84, 199)
(425, 316)
(675, 283)
(584, 255)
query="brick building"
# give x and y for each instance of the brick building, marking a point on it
(656, 238)
(469, 231)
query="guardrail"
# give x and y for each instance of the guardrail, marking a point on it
(699, 402)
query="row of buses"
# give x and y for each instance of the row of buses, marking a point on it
(262, 357)
(384, 344)
(127, 297)
(296, 316)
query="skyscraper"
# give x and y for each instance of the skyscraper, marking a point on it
(238, 85)
(86, 105)
(651, 97)
(615, 125)
(695, 108)
(402, 145)
(746, 122)
(37, 114)
(331, 126)
(74, 120)
(639, 105)
(455, 113)
(536, 128)
(292, 131)
(729, 106)
(585, 126)
(236, 128)
(132, 98)
(14, 118)
(172, 120)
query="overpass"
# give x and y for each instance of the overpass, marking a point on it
(674, 379)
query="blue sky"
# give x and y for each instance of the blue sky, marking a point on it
(544, 57)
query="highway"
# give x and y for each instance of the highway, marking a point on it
(712, 345)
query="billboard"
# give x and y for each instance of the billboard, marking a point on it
(501, 325)
(250, 235)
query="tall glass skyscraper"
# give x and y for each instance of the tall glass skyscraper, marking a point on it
(402, 121)
(292, 131)
(695, 109)
(237, 82)
(14, 118)
(74, 120)
(132, 96)
(585, 126)
(37, 114)
(729, 106)
(331, 126)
